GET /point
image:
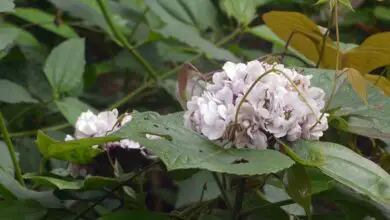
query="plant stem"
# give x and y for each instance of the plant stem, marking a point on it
(239, 198)
(33, 132)
(223, 194)
(11, 150)
(122, 39)
(169, 73)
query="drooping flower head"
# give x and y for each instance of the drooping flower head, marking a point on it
(249, 103)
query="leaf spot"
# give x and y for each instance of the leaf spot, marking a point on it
(241, 160)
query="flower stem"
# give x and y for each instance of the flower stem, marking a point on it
(11, 150)
(334, 84)
(122, 40)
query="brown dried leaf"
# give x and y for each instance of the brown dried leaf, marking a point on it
(358, 83)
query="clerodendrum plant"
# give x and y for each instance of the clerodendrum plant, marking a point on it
(256, 140)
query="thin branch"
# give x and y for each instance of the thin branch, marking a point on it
(116, 188)
(223, 194)
(166, 75)
(286, 54)
(334, 85)
(122, 39)
(11, 150)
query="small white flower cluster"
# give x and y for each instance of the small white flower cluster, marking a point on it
(273, 106)
(89, 125)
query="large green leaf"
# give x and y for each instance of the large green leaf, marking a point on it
(12, 189)
(297, 184)
(44, 20)
(346, 102)
(181, 148)
(172, 27)
(7, 6)
(72, 108)
(58, 182)
(244, 11)
(136, 214)
(19, 209)
(7, 36)
(202, 185)
(80, 151)
(11, 92)
(64, 67)
(349, 168)
(5, 159)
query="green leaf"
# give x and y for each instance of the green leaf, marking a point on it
(72, 108)
(346, 102)
(297, 184)
(355, 205)
(274, 193)
(64, 67)
(201, 185)
(7, 36)
(77, 151)
(80, 151)
(368, 127)
(139, 215)
(13, 93)
(24, 38)
(181, 148)
(43, 142)
(21, 209)
(44, 20)
(28, 154)
(202, 13)
(7, 6)
(319, 182)
(172, 27)
(351, 169)
(382, 13)
(5, 159)
(10, 188)
(58, 182)
(244, 11)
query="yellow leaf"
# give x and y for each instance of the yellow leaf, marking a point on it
(358, 83)
(371, 54)
(307, 38)
(380, 81)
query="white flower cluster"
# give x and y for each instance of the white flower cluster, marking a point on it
(273, 106)
(90, 125)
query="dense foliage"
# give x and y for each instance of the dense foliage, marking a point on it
(194, 109)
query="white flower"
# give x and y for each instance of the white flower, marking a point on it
(273, 106)
(90, 125)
